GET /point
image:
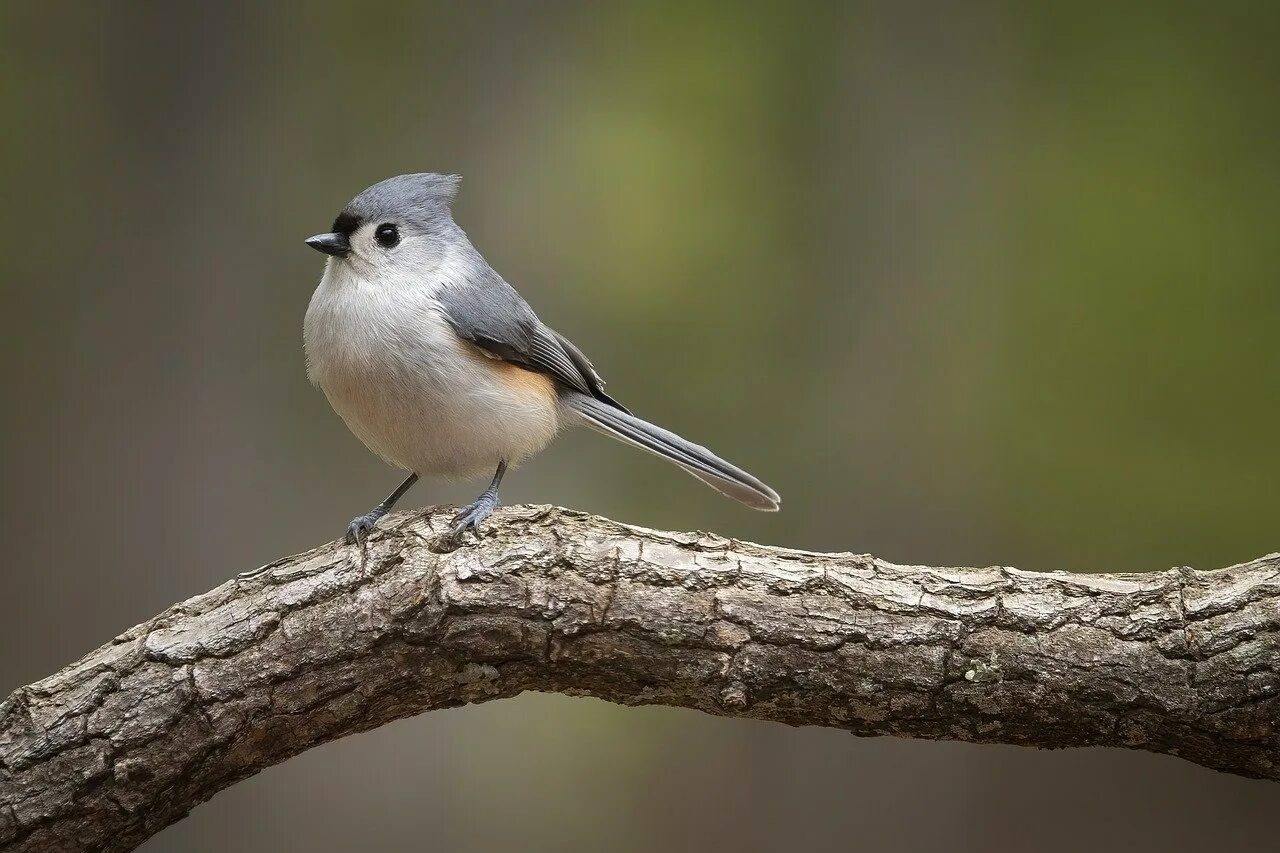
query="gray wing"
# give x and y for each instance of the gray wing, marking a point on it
(490, 314)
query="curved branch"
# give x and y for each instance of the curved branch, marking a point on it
(127, 740)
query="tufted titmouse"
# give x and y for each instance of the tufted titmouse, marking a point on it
(439, 366)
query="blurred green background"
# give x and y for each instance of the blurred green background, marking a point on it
(982, 283)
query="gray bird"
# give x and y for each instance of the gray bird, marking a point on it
(441, 368)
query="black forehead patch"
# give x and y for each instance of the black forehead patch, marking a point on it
(346, 224)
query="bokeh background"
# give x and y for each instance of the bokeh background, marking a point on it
(982, 283)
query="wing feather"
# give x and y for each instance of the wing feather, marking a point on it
(490, 314)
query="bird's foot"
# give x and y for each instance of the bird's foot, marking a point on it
(470, 517)
(360, 527)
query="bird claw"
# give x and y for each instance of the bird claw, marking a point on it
(470, 517)
(360, 527)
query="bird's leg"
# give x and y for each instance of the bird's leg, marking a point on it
(360, 526)
(481, 508)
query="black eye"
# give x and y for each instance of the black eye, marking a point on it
(387, 235)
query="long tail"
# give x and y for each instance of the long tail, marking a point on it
(698, 461)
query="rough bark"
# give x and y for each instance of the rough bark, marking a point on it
(314, 647)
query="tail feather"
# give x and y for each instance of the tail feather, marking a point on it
(728, 479)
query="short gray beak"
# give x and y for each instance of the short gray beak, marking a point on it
(331, 244)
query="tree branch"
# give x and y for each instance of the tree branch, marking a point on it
(127, 740)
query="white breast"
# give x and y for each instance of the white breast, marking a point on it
(412, 390)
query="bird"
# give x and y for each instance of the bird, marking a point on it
(441, 368)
